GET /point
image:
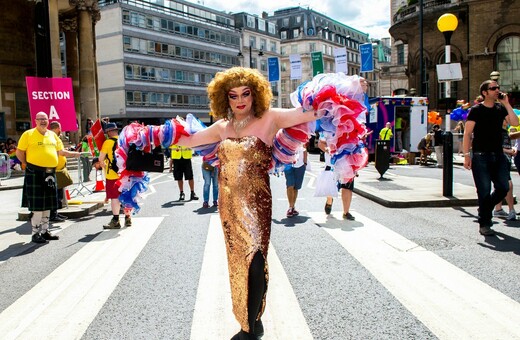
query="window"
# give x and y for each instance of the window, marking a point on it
(294, 48)
(273, 46)
(296, 32)
(263, 44)
(283, 35)
(251, 21)
(263, 65)
(261, 25)
(285, 22)
(271, 27)
(252, 41)
(312, 47)
(400, 54)
(508, 63)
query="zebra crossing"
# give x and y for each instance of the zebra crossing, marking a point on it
(451, 303)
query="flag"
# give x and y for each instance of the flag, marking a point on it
(367, 61)
(296, 66)
(273, 69)
(340, 56)
(317, 63)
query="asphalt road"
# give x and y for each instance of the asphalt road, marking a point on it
(417, 273)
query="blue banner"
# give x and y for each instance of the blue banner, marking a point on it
(273, 69)
(367, 60)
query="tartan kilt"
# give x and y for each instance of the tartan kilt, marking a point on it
(36, 194)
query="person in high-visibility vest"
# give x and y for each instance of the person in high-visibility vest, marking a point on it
(386, 132)
(182, 168)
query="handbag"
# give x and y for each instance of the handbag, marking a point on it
(138, 160)
(63, 178)
(206, 166)
(326, 184)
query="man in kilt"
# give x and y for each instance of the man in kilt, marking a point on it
(38, 150)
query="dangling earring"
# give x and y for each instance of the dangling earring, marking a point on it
(230, 114)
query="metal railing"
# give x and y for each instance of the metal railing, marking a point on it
(84, 168)
(5, 166)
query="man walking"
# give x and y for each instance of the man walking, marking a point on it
(38, 149)
(108, 161)
(182, 168)
(487, 161)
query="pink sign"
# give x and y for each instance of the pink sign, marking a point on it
(54, 97)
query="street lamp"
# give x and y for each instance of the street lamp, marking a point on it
(260, 54)
(447, 24)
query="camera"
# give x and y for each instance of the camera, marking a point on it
(501, 95)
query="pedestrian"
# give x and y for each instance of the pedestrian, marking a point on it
(345, 188)
(86, 152)
(398, 128)
(63, 178)
(487, 161)
(510, 152)
(210, 176)
(294, 175)
(459, 130)
(38, 150)
(438, 144)
(386, 132)
(182, 169)
(107, 160)
(424, 148)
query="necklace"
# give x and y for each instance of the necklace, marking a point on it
(238, 125)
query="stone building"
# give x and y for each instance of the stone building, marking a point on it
(487, 39)
(303, 31)
(46, 38)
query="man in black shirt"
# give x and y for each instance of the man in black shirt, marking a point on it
(487, 160)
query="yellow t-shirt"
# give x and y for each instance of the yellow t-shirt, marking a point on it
(107, 149)
(62, 160)
(40, 150)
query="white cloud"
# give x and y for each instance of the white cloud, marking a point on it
(368, 16)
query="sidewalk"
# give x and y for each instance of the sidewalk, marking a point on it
(83, 202)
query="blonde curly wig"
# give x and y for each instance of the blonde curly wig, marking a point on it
(224, 81)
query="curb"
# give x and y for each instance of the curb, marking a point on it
(83, 210)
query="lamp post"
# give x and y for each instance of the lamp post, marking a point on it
(260, 53)
(447, 23)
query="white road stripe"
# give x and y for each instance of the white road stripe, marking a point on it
(449, 301)
(62, 305)
(213, 317)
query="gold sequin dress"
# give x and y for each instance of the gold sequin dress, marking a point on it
(245, 207)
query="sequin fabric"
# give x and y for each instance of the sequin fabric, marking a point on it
(245, 207)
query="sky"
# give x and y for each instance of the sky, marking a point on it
(368, 16)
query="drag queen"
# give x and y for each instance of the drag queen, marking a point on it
(249, 140)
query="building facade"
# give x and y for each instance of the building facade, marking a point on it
(156, 59)
(303, 31)
(55, 40)
(487, 39)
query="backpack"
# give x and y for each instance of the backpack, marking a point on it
(113, 164)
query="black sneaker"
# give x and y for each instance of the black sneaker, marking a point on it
(259, 328)
(49, 237)
(58, 218)
(193, 196)
(181, 197)
(38, 238)
(348, 216)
